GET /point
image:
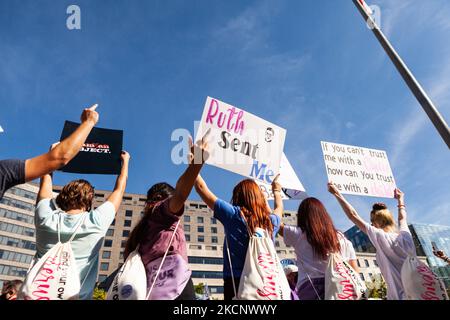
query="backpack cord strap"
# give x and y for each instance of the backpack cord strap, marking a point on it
(162, 262)
(231, 266)
(309, 278)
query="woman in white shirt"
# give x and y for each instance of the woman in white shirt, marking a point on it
(392, 244)
(314, 239)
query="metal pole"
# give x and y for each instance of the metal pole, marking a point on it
(420, 94)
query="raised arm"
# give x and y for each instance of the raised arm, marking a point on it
(199, 154)
(121, 183)
(45, 188)
(347, 207)
(278, 200)
(400, 196)
(203, 191)
(65, 151)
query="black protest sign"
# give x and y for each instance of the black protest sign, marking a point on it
(100, 153)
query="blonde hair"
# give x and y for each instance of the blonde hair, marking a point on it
(382, 217)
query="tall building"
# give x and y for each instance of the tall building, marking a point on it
(17, 232)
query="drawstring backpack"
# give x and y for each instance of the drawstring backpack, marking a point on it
(168, 275)
(342, 282)
(55, 276)
(263, 277)
(419, 281)
(130, 283)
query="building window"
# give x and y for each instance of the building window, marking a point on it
(106, 254)
(199, 219)
(213, 239)
(200, 229)
(128, 213)
(375, 262)
(121, 255)
(102, 277)
(362, 277)
(104, 266)
(123, 244)
(366, 262)
(114, 222)
(213, 229)
(110, 232)
(201, 239)
(187, 218)
(187, 228)
(359, 264)
(213, 220)
(125, 233)
(108, 243)
(188, 237)
(127, 223)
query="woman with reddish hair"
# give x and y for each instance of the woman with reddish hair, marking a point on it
(248, 211)
(313, 239)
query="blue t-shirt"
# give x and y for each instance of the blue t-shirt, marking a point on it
(87, 242)
(237, 235)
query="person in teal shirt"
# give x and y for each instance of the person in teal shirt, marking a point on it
(73, 206)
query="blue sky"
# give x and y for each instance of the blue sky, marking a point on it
(311, 67)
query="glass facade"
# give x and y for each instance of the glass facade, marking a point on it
(424, 235)
(360, 240)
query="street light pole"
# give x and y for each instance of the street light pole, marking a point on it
(420, 94)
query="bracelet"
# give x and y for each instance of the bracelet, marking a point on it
(401, 206)
(276, 191)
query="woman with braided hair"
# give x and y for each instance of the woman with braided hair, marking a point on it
(248, 209)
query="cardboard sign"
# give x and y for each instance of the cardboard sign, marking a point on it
(100, 153)
(241, 142)
(358, 171)
(291, 186)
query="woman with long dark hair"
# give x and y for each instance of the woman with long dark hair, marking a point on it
(313, 239)
(248, 209)
(157, 231)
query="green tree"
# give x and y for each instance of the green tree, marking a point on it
(99, 294)
(376, 287)
(200, 288)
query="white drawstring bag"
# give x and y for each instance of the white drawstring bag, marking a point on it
(130, 282)
(263, 277)
(419, 281)
(342, 282)
(55, 276)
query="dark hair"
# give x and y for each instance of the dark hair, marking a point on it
(316, 223)
(10, 287)
(155, 194)
(250, 199)
(77, 194)
(379, 206)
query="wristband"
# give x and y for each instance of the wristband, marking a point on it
(401, 206)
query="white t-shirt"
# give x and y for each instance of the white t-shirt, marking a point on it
(87, 242)
(310, 263)
(392, 250)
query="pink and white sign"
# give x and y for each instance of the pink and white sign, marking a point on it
(358, 171)
(241, 142)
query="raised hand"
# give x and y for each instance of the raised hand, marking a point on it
(399, 195)
(333, 189)
(89, 114)
(276, 186)
(125, 156)
(199, 150)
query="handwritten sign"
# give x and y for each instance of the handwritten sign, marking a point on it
(241, 142)
(291, 186)
(358, 171)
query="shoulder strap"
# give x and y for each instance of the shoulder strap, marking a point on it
(309, 278)
(231, 266)
(83, 219)
(162, 262)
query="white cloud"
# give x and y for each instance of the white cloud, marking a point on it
(1, 129)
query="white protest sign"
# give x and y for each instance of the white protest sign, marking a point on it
(241, 142)
(358, 171)
(290, 183)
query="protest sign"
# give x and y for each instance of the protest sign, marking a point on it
(241, 142)
(358, 171)
(291, 186)
(100, 153)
